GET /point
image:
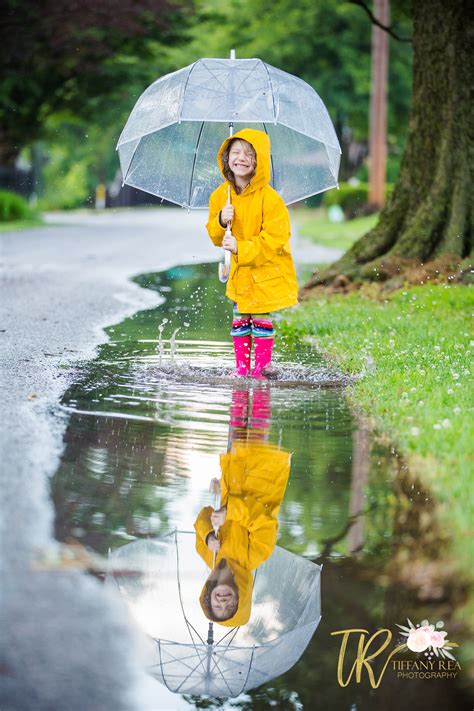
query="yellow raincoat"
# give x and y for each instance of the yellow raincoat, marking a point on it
(262, 274)
(253, 483)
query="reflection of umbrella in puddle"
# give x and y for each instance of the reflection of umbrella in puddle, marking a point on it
(163, 596)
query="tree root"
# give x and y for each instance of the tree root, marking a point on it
(390, 273)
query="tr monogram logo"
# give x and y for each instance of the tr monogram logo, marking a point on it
(363, 658)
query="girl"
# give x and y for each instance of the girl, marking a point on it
(262, 275)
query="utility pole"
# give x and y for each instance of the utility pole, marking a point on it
(378, 105)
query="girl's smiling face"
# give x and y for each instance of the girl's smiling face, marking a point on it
(224, 600)
(242, 159)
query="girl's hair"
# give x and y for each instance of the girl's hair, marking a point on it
(249, 150)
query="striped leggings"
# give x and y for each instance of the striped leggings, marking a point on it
(258, 325)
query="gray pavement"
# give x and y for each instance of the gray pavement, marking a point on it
(61, 285)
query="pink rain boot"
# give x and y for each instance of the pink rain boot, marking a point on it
(242, 347)
(263, 356)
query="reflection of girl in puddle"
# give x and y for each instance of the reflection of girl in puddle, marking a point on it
(254, 478)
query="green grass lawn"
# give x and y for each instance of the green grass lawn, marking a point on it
(414, 348)
(313, 223)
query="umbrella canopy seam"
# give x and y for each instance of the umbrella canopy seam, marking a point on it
(194, 162)
(184, 91)
(275, 118)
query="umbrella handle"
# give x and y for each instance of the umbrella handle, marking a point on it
(216, 490)
(224, 267)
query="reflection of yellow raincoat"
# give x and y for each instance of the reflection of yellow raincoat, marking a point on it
(253, 483)
(262, 275)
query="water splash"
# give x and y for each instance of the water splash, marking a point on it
(173, 346)
(288, 376)
(161, 345)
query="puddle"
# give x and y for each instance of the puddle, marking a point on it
(152, 423)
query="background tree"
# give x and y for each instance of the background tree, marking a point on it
(57, 56)
(70, 82)
(430, 212)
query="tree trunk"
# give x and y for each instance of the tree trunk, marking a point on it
(431, 209)
(378, 106)
(9, 148)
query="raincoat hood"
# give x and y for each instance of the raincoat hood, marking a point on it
(261, 145)
(244, 580)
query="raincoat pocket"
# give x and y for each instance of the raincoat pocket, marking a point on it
(266, 273)
(268, 283)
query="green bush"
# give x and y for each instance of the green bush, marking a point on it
(354, 199)
(14, 207)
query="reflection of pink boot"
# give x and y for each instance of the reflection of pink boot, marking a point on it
(263, 356)
(261, 411)
(242, 347)
(239, 408)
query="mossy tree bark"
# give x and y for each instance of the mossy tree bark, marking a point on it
(431, 210)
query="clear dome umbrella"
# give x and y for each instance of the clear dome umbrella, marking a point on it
(161, 581)
(169, 144)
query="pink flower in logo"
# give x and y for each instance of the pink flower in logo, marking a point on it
(428, 637)
(429, 629)
(437, 638)
(419, 639)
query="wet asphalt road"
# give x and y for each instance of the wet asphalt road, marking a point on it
(66, 644)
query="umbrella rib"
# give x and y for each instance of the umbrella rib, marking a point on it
(191, 627)
(162, 672)
(329, 162)
(178, 659)
(235, 662)
(131, 160)
(215, 77)
(271, 157)
(181, 600)
(250, 666)
(221, 84)
(217, 91)
(184, 90)
(234, 630)
(216, 665)
(271, 91)
(245, 78)
(187, 677)
(194, 162)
